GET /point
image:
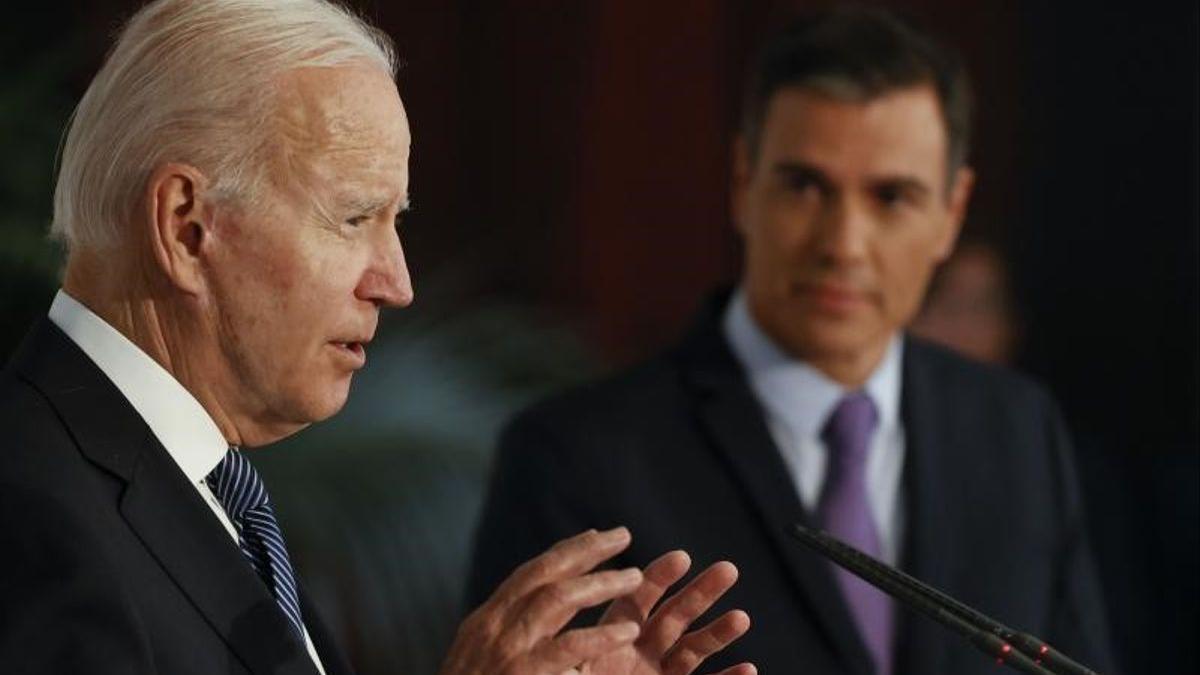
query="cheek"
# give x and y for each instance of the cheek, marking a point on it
(780, 234)
(261, 298)
(904, 276)
(268, 289)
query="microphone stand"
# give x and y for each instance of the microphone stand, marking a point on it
(1019, 651)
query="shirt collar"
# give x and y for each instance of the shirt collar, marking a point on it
(795, 391)
(174, 416)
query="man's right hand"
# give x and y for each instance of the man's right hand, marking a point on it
(516, 632)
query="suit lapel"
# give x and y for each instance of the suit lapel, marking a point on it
(734, 422)
(929, 551)
(161, 506)
(196, 551)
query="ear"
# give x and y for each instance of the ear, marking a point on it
(956, 210)
(179, 223)
(739, 183)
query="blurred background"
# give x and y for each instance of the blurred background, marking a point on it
(570, 173)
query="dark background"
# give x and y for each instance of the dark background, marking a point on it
(570, 173)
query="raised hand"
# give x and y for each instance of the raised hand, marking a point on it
(662, 646)
(517, 631)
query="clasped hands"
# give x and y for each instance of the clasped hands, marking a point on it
(519, 630)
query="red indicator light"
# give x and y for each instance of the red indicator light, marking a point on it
(1006, 649)
(1043, 650)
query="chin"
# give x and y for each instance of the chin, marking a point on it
(328, 408)
(317, 406)
(830, 338)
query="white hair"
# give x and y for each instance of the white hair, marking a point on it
(193, 81)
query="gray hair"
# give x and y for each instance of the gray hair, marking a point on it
(193, 81)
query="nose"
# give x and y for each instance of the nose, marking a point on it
(386, 281)
(845, 227)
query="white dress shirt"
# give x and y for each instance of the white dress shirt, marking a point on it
(798, 399)
(174, 416)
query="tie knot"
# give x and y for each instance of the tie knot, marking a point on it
(237, 485)
(848, 430)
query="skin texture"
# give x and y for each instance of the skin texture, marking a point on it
(845, 209)
(247, 306)
(261, 311)
(516, 631)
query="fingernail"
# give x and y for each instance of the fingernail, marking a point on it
(631, 575)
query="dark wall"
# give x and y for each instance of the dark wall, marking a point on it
(1106, 251)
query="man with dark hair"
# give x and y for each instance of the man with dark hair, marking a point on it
(800, 399)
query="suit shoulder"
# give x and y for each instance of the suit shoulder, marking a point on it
(611, 396)
(967, 378)
(36, 448)
(626, 400)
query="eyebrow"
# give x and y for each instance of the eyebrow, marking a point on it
(373, 204)
(908, 184)
(795, 169)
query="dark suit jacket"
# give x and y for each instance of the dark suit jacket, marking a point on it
(679, 451)
(110, 562)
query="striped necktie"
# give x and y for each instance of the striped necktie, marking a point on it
(241, 492)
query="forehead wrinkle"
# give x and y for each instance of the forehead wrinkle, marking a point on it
(330, 146)
(308, 159)
(307, 131)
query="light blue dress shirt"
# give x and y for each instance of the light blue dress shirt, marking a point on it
(798, 399)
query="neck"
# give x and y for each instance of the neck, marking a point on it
(849, 367)
(166, 325)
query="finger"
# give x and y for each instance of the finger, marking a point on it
(568, 558)
(550, 607)
(677, 612)
(740, 669)
(692, 649)
(576, 646)
(657, 578)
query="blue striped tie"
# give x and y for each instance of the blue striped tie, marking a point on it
(240, 490)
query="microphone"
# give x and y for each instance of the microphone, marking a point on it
(1020, 651)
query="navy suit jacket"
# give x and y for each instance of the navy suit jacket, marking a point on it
(679, 450)
(110, 561)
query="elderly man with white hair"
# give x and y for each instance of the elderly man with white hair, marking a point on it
(228, 195)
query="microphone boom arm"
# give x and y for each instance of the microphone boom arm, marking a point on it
(1020, 651)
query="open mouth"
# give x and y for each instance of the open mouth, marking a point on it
(356, 350)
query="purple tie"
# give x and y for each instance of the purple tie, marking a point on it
(845, 513)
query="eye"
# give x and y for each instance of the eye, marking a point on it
(357, 220)
(801, 183)
(899, 195)
(890, 195)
